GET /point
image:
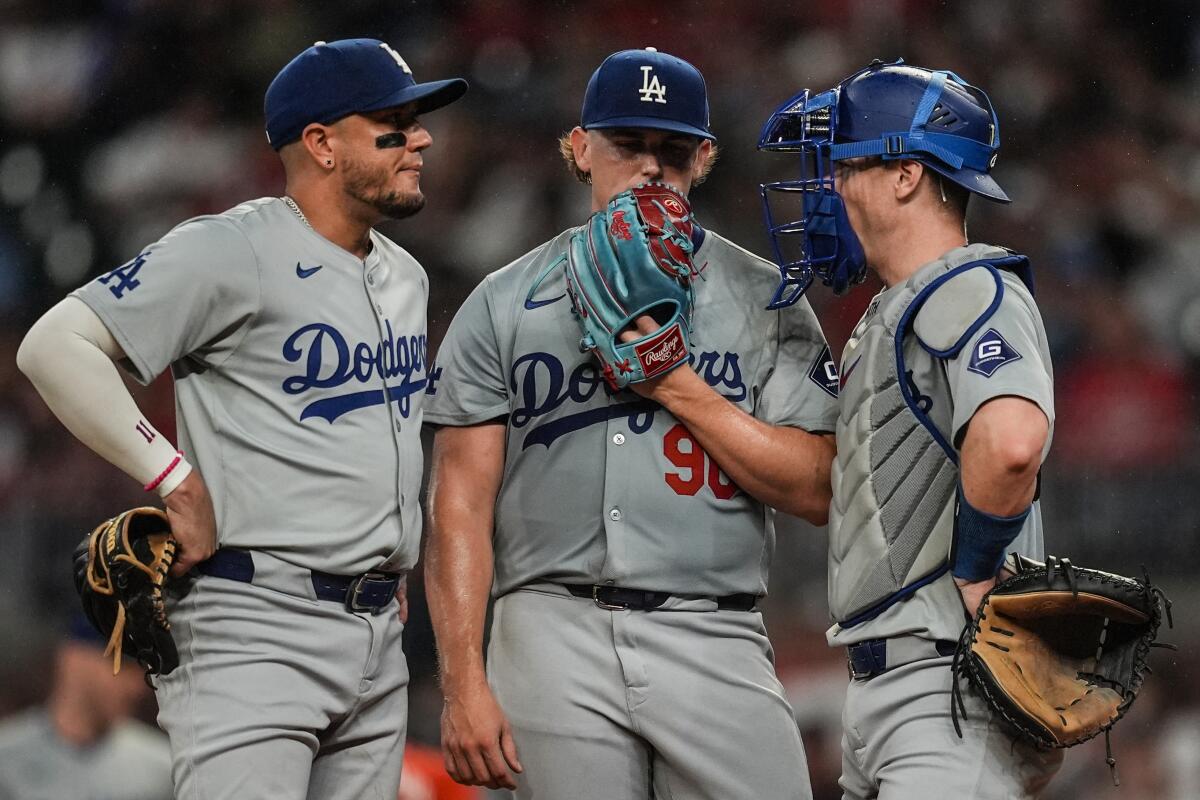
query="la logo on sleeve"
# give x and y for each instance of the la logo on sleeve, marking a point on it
(992, 351)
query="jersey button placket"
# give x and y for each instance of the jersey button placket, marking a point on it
(392, 407)
(618, 480)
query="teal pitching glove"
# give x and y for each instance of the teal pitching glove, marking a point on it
(634, 258)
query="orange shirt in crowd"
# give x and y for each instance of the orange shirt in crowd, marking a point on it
(425, 777)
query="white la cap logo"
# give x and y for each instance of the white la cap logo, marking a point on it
(396, 56)
(652, 91)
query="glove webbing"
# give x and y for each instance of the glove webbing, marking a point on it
(102, 584)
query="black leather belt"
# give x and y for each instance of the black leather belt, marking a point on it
(369, 592)
(619, 598)
(869, 658)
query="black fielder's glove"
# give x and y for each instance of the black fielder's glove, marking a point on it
(120, 572)
(1060, 651)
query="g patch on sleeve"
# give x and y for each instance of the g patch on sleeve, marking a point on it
(991, 352)
(824, 372)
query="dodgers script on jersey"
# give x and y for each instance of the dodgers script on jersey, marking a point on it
(610, 488)
(299, 380)
(892, 516)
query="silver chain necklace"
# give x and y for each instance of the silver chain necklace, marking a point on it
(290, 203)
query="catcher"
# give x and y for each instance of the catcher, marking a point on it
(947, 412)
(616, 499)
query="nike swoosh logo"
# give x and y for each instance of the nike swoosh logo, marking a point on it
(301, 272)
(846, 375)
(532, 304)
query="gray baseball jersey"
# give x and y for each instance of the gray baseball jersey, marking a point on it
(603, 488)
(610, 488)
(968, 330)
(299, 379)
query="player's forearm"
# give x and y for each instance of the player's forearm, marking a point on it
(783, 467)
(458, 576)
(68, 356)
(463, 485)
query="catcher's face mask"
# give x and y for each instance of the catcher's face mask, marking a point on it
(806, 217)
(889, 110)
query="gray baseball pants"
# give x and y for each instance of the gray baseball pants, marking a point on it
(282, 697)
(898, 742)
(681, 701)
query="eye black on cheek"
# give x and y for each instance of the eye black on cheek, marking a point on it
(389, 140)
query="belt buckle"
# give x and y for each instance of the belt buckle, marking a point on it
(855, 674)
(872, 653)
(355, 589)
(607, 606)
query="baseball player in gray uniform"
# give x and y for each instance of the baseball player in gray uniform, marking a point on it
(625, 536)
(946, 412)
(296, 336)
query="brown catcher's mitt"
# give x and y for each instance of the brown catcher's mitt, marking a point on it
(120, 571)
(1059, 651)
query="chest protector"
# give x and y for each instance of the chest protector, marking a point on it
(894, 479)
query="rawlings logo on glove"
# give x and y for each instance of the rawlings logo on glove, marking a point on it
(633, 258)
(661, 351)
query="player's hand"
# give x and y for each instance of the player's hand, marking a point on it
(656, 389)
(477, 742)
(193, 523)
(972, 592)
(402, 599)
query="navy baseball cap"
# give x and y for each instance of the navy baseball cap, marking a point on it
(332, 80)
(647, 89)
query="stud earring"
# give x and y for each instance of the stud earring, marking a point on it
(329, 162)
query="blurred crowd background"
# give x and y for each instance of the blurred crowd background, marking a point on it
(121, 118)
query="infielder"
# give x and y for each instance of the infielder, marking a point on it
(625, 538)
(295, 333)
(946, 412)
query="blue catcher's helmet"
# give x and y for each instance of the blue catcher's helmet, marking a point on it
(892, 110)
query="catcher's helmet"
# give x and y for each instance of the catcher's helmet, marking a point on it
(892, 110)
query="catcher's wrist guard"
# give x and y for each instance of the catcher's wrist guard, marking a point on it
(1059, 652)
(120, 572)
(980, 540)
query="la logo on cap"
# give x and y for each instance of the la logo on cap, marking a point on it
(652, 91)
(395, 57)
